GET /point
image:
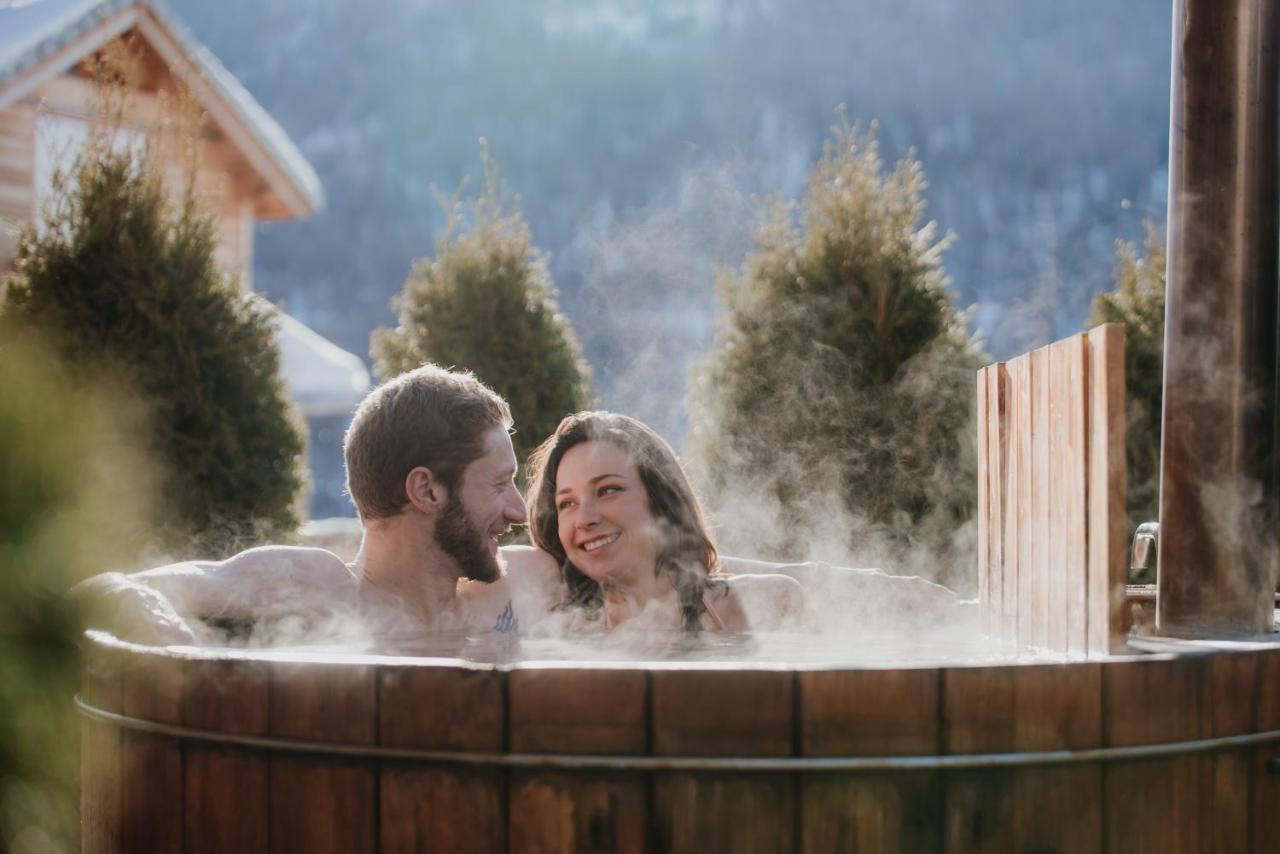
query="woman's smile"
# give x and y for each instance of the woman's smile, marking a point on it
(602, 512)
(596, 543)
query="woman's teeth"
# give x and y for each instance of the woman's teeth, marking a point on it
(592, 545)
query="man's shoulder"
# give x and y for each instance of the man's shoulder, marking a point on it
(296, 558)
(280, 561)
(526, 590)
(530, 564)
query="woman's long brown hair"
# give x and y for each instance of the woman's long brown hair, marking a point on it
(686, 553)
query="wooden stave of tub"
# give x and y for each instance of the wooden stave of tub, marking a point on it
(951, 742)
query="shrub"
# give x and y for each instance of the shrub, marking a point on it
(835, 407)
(72, 503)
(486, 303)
(1137, 301)
(122, 276)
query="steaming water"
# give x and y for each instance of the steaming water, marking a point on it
(783, 648)
(846, 636)
(777, 648)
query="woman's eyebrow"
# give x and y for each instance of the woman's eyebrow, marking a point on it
(593, 480)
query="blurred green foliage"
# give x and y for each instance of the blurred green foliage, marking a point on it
(72, 503)
(486, 303)
(840, 386)
(123, 277)
(1137, 301)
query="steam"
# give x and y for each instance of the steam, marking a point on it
(1214, 424)
(648, 308)
(648, 302)
(648, 305)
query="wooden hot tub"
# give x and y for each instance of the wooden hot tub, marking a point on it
(241, 751)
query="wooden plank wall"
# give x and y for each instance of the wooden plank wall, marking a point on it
(17, 166)
(1051, 489)
(224, 181)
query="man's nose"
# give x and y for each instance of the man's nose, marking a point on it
(516, 512)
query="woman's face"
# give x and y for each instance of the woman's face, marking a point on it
(602, 509)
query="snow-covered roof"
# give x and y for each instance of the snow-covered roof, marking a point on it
(36, 31)
(323, 378)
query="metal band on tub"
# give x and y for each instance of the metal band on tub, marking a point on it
(808, 764)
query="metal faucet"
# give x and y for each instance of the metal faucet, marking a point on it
(1143, 567)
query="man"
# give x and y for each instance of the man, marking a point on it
(431, 470)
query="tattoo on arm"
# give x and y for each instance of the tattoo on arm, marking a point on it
(507, 621)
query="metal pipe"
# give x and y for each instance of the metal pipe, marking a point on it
(599, 762)
(1218, 545)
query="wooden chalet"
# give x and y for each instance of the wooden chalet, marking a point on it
(249, 169)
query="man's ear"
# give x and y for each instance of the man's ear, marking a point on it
(424, 490)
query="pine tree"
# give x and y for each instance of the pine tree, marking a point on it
(486, 303)
(122, 276)
(1137, 301)
(835, 408)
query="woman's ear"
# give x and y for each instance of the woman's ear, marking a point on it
(424, 490)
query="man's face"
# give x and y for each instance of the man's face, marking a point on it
(483, 508)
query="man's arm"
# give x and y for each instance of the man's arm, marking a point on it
(899, 590)
(131, 611)
(263, 583)
(769, 601)
(250, 582)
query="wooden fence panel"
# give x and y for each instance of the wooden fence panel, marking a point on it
(1051, 496)
(1107, 547)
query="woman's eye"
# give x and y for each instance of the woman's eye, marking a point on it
(563, 505)
(609, 490)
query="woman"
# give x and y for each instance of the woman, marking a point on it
(610, 503)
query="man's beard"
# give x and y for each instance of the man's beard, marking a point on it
(462, 541)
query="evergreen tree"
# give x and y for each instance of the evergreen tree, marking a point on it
(122, 276)
(1137, 301)
(486, 303)
(835, 408)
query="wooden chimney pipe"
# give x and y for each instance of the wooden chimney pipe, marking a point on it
(1218, 540)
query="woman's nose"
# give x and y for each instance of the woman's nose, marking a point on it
(588, 514)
